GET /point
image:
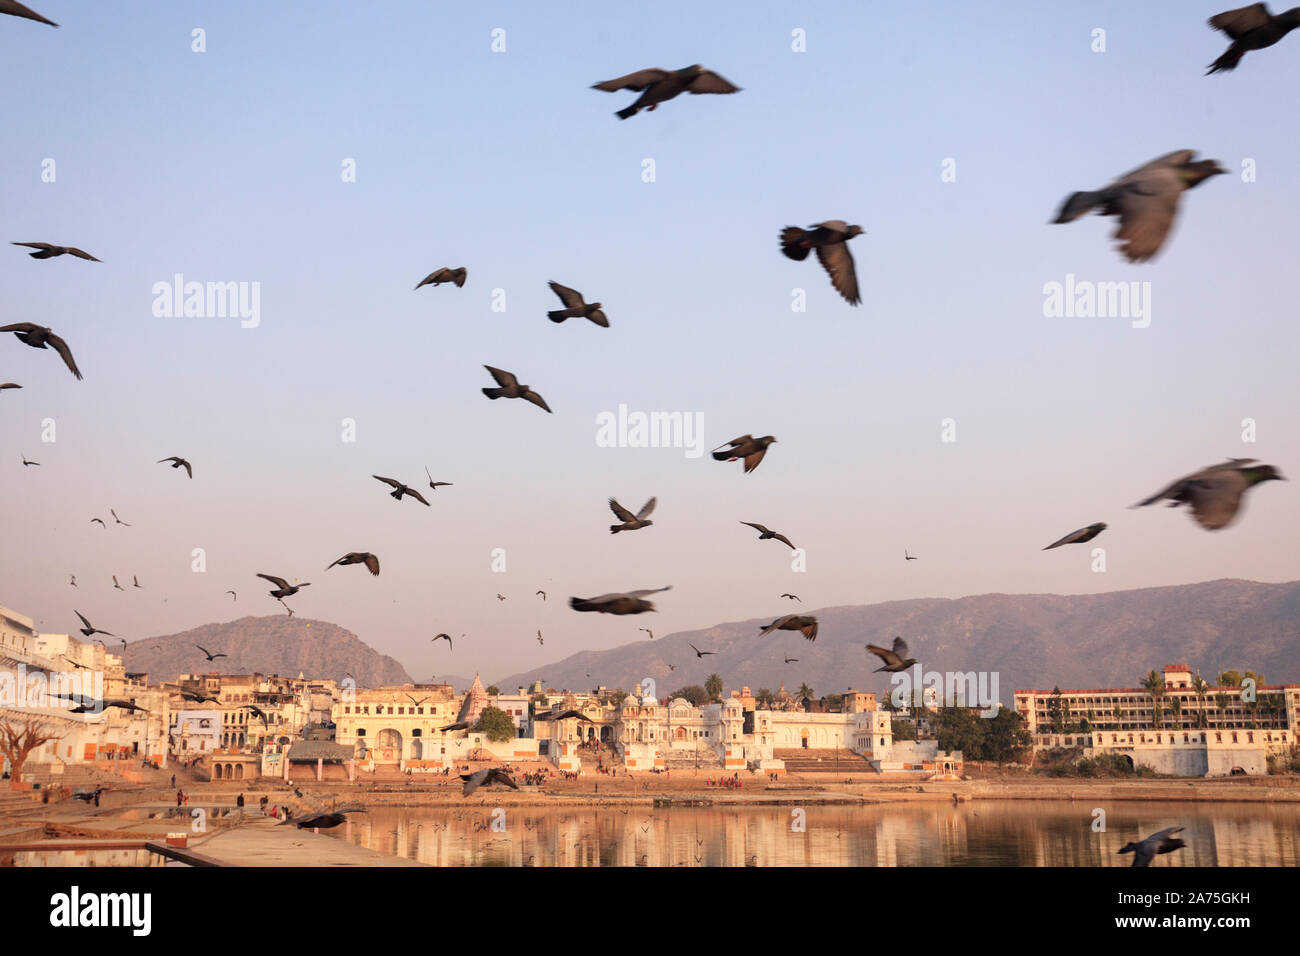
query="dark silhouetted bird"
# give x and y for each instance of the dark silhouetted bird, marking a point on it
(792, 597)
(116, 585)
(195, 697)
(73, 582)
(747, 447)
(447, 638)
(1251, 28)
(117, 519)
(648, 631)
(39, 337)
(435, 485)
(325, 821)
(1080, 536)
(49, 251)
(282, 587)
(359, 557)
(208, 654)
(830, 239)
(15, 9)
(257, 712)
(1145, 200)
(805, 625)
(792, 660)
(764, 533)
(402, 490)
(542, 593)
(233, 595)
(539, 637)
(1214, 493)
(1146, 850)
(575, 306)
(510, 388)
(417, 703)
(658, 86)
(630, 521)
(486, 778)
(908, 557)
(135, 582)
(895, 660)
(90, 629)
(698, 652)
(100, 522)
(4, 385)
(629, 602)
(439, 276)
(178, 463)
(28, 464)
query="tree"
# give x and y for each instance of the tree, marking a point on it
(713, 687)
(1056, 711)
(833, 703)
(693, 693)
(959, 728)
(493, 691)
(1202, 689)
(904, 729)
(764, 697)
(495, 724)
(617, 698)
(1230, 679)
(805, 691)
(18, 739)
(1006, 736)
(1154, 685)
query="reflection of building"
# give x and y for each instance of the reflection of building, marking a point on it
(1184, 728)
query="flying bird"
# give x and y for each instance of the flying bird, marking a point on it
(896, 660)
(908, 557)
(417, 703)
(28, 464)
(629, 602)
(486, 777)
(435, 485)
(39, 337)
(792, 660)
(500, 596)
(1146, 850)
(510, 388)
(325, 821)
(1251, 28)
(208, 654)
(100, 521)
(135, 582)
(1215, 493)
(117, 519)
(1145, 200)
(575, 306)
(764, 533)
(439, 276)
(15, 9)
(542, 593)
(805, 625)
(359, 557)
(49, 251)
(748, 448)
(91, 705)
(402, 490)
(73, 582)
(233, 595)
(698, 652)
(445, 637)
(830, 239)
(792, 597)
(1080, 536)
(4, 385)
(195, 697)
(116, 585)
(648, 631)
(178, 463)
(90, 629)
(257, 712)
(658, 86)
(283, 588)
(539, 637)
(630, 521)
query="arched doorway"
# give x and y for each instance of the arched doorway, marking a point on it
(606, 734)
(216, 771)
(417, 750)
(803, 737)
(239, 771)
(679, 733)
(388, 746)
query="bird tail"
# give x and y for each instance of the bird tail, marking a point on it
(1079, 204)
(460, 281)
(43, 254)
(624, 114)
(615, 528)
(558, 316)
(723, 456)
(790, 237)
(494, 393)
(396, 494)
(1226, 62)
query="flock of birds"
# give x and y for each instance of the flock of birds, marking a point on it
(1145, 201)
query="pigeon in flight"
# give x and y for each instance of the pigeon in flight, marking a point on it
(1145, 200)
(1251, 28)
(1215, 493)
(648, 631)
(49, 251)
(510, 388)
(135, 582)
(402, 490)
(896, 660)
(359, 557)
(324, 821)
(792, 597)
(208, 654)
(747, 447)
(486, 777)
(4, 385)
(417, 703)
(908, 557)
(28, 464)
(91, 705)
(116, 585)
(630, 521)
(90, 629)
(764, 533)
(177, 463)
(283, 588)
(629, 602)
(500, 596)
(445, 637)
(575, 306)
(658, 86)
(15, 9)
(435, 485)
(439, 276)
(257, 712)
(233, 595)
(195, 697)
(830, 239)
(539, 637)
(1146, 850)
(39, 337)
(117, 519)
(73, 582)
(542, 593)
(100, 521)
(698, 652)
(805, 625)
(1080, 536)
(792, 660)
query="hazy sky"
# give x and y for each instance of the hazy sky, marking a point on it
(226, 165)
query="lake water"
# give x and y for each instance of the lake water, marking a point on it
(980, 833)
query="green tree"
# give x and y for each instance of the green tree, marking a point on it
(1201, 689)
(904, 729)
(713, 687)
(493, 691)
(495, 724)
(833, 703)
(1006, 738)
(960, 728)
(1154, 685)
(1230, 679)
(692, 693)
(764, 697)
(1056, 711)
(805, 691)
(617, 698)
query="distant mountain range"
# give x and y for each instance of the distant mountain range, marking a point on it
(277, 644)
(1033, 641)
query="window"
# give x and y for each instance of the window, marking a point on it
(361, 731)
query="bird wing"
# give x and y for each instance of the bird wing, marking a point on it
(16, 9)
(633, 81)
(600, 318)
(531, 396)
(1236, 23)
(339, 561)
(776, 625)
(1070, 538)
(1146, 206)
(188, 470)
(647, 508)
(437, 275)
(65, 353)
(20, 327)
(885, 654)
(753, 458)
(781, 537)
(643, 593)
(754, 524)
(372, 563)
(571, 298)
(278, 582)
(504, 378)
(710, 82)
(80, 253)
(838, 263)
(30, 245)
(900, 648)
(83, 619)
(1216, 498)
(619, 511)
(388, 481)
(418, 497)
(737, 442)
(810, 630)
(1178, 157)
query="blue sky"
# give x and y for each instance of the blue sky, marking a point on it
(225, 166)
